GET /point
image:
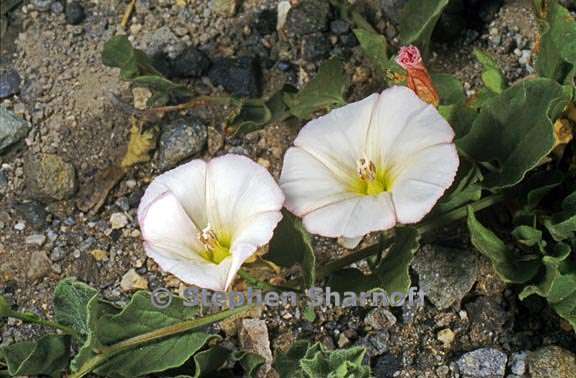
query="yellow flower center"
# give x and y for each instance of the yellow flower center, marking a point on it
(216, 250)
(370, 180)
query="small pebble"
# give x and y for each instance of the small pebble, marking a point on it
(75, 13)
(36, 239)
(133, 281)
(118, 221)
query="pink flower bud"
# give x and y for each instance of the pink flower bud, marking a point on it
(419, 79)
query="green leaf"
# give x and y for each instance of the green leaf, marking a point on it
(418, 20)
(467, 189)
(556, 58)
(492, 75)
(515, 130)
(509, 267)
(375, 47)
(558, 285)
(118, 52)
(292, 244)
(158, 84)
(527, 235)
(449, 88)
(210, 360)
(305, 361)
(250, 362)
(141, 316)
(391, 273)
(47, 356)
(71, 299)
(96, 309)
(324, 92)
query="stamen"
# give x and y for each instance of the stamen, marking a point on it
(215, 251)
(208, 238)
(366, 169)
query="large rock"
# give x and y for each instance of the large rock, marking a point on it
(12, 129)
(191, 63)
(254, 338)
(181, 139)
(483, 363)
(445, 274)
(240, 77)
(49, 177)
(552, 361)
(9, 83)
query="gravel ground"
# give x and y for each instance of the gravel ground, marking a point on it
(74, 130)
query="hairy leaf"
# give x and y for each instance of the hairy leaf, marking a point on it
(292, 244)
(418, 20)
(118, 52)
(314, 361)
(556, 57)
(47, 356)
(509, 266)
(515, 130)
(71, 299)
(558, 285)
(492, 75)
(323, 92)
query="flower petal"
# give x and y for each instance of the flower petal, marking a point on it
(251, 236)
(403, 124)
(350, 243)
(237, 189)
(422, 181)
(187, 183)
(353, 217)
(309, 184)
(193, 271)
(166, 226)
(338, 138)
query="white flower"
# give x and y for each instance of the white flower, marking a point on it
(201, 221)
(369, 165)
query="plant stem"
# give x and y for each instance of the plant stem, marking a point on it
(37, 320)
(194, 103)
(425, 227)
(176, 329)
(259, 283)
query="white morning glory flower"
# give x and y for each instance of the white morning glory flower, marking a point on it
(369, 165)
(202, 220)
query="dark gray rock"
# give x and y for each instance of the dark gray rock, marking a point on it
(392, 9)
(483, 363)
(48, 176)
(339, 27)
(445, 274)
(9, 83)
(240, 77)
(375, 343)
(12, 129)
(315, 47)
(387, 365)
(86, 268)
(487, 318)
(191, 63)
(181, 139)
(265, 22)
(552, 361)
(308, 17)
(74, 13)
(33, 213)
